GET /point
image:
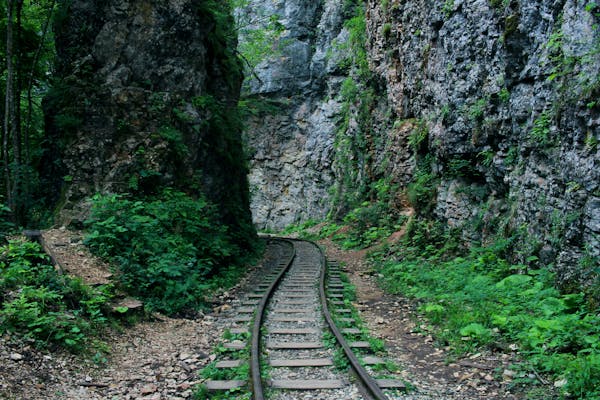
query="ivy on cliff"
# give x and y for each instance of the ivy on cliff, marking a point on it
(351, 140)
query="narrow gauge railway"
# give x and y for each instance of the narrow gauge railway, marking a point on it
(289, 317)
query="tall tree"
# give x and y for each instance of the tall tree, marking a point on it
(27, 52)
(31, 79)
(9, 104)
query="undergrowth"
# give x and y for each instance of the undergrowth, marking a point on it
(170, 250)
(364, 226)
(476, 298)
(51, 309)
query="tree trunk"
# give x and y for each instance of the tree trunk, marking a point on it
(9, 102)
(17, 171)
(36, 58)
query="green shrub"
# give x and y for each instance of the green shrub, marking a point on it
(371, 221)
(41, 304)
(477, 298)
(165, 247)
(418, 136)
(448, 7)
(540, 133)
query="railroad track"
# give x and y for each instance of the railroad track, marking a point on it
(296, 325)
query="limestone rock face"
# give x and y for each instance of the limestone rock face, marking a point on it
(292, 151)
(509, 93)
(145, 99)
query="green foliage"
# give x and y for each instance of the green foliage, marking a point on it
(373, 220)
(385, 5)
(175, 139)
(422, 190)
(6, 225)
(476, 110)
(476, 298)
(222, 38)
(165, 248)
(591, 143)
(301, 229)
(418, 136)
(239, 373)
(259, 33)
(500, 4)
(256, 106)
(211, 372)
(512, 155)
(574, 74)
(459, 167)
(486, 157)
(504, 95)
(41, 304)
(448, 7)
(540, 133)
(387, 30)
(224, 121)
(357, 27)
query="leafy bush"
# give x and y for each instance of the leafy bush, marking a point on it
(165, 247)
(480, 299)
(540, 133)
(39, 303)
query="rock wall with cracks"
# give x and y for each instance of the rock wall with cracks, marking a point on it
(509, 94)
(146, 98)
(291, 149)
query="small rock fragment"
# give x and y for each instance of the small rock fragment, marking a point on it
(148, 389)
(560, 383)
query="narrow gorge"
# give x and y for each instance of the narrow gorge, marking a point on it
(428, 169)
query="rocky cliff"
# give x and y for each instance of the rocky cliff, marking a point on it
(485, 113)
(146, 98)
(292, 145)
(499, 102)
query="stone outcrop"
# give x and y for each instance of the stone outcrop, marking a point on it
(508, 91)
(292, 148)
(146, 99)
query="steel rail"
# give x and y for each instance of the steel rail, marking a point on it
(256, 379)
(368, 382)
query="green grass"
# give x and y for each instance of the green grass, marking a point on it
(477, 299)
